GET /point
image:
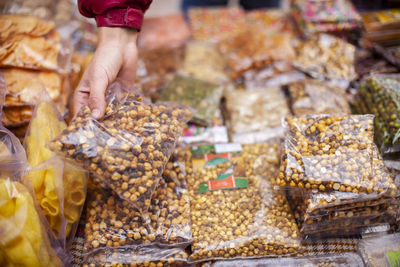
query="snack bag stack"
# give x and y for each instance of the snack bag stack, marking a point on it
(32, 58)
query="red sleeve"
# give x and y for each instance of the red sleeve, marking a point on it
(115, 13)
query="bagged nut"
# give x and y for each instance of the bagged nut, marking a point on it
(128, 150)
(255, 115)
(326, 56)
(333, 153)
(204, 62)
(248, 218)
(203, 96)
(112, 222)
(136, 256)
(315, 97)
(253, 47)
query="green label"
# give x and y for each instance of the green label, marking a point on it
(224, 182)
(393, 258)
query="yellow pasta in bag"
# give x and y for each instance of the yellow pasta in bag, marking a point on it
(60, 188)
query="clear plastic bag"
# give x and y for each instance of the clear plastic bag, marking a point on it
(215, 24)
(378, 251)
(252, 47)
(326, 57)
(381, 94)
(346, 259)
(29, 42)
(204, 62)
(333, 153)
(235, 211)
(202, 96)
(156, 32)
(112, 222)
(59, 187)
(137, 256)
(316, 97)
(255, 115)
(128, 150)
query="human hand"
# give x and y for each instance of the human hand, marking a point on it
(115, 58)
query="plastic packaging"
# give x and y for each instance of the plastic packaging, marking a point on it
(156, 32)
(333, 153)
(380, 251)
(381, 94)
(137, 256)
(272, 20)
(316, 97)
(202, 96)
(112, 222)
(215, 24)
(29, 42)
(15, 116)
(255, 115)
(347, 259)
(204, 62)
(128, 150)
(252, 47)
(326, 56)
(235, 211)
(59, 187)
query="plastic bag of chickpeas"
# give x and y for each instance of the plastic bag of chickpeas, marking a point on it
(235, 212)
(112, 223)
(128, 150)
(333, 153)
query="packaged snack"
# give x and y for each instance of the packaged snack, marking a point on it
(29, 42)
(215, 24)
(346, 259)
(382, 251)
(252, 47)
(204, 62)
(232, 189)
(128, 149)
(381, 95)
(112, 222)
(272, 20)
(255, 115)
(326, 56)
(15, 116)
(202, 96)
(316, 97)
(333, 153)
(59, 187)
(137, 256)
(156, 32)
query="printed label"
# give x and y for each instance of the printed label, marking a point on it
(216, 159)
(224, 182)
(230, 147)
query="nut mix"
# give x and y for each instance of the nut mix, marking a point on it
(332, 153)
(326, 56)
(137, 257)
(112, 222)
(128, 150)
(316, 97)
(252, 221)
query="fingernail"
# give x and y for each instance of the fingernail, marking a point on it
(96, 113)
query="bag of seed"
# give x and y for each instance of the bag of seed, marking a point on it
(201, 95)
(128, 149)
(316, 97)
(112, 222)
(234, 210)
(381, 94)
(333, 153)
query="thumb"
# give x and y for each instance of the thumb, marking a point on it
(98, 83)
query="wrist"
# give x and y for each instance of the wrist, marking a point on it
(117, 35)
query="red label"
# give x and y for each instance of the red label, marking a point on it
(228, 182)
(208, 157)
